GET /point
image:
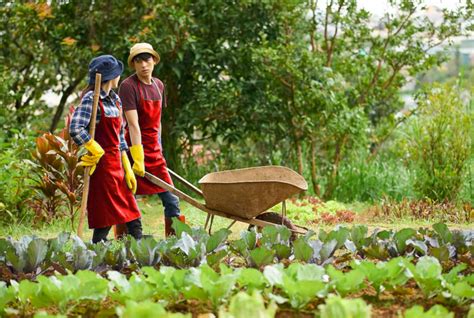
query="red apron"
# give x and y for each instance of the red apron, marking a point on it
(149, 119)
(110, 200)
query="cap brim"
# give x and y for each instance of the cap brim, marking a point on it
(117, 71)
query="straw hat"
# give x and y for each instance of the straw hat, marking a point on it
(142, 48)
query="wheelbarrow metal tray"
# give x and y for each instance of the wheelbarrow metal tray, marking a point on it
(249, 192)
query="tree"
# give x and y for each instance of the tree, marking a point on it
(27, 71)
(287, 82)
(328, 82)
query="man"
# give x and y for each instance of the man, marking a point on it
(142, 100)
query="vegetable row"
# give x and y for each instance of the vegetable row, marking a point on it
(193, 247)
(298, 286)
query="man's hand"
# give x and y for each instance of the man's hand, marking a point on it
(138, 160)
(129, 176)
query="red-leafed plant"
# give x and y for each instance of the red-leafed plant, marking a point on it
(57, 176)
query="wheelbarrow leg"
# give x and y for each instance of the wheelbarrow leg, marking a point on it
(207, 221)
(283, 211)
(230, 225)
(210, 224)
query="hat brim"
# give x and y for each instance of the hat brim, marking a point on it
(140, 51)
(117, 71)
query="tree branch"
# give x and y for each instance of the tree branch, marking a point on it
(333, 40)
(366, 91)
(326, 22)
(313, 6)
(387, 135)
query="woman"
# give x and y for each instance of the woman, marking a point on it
(112, 182)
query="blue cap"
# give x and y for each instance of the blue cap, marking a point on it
(107, 65)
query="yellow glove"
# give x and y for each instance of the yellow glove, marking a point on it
(91, 160)
(138, 160)
(129, 176)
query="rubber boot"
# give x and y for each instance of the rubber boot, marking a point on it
(134, 228)
(168, 225)
(120, 230)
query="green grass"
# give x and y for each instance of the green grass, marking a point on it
(153, 222)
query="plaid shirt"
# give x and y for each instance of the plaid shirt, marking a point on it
(79, 127)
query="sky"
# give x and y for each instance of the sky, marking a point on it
(379, 7)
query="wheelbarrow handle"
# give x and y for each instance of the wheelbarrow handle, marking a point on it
(180, 194)
(189, 185)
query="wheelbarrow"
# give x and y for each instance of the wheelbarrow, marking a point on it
(243, 195)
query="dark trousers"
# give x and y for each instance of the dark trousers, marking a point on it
(134, 228)
(170, 203)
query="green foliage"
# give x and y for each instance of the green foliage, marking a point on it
(437, 311)
(346, 283)
(146, 309)
(298, 284)
(363, 178)
(439, 142)
(205, 284)
(311, 209)
(145, 251)
(309, 89)
(136, 288)
(252, 279)
(61, 290)
(27, 254)
(383, 275)
(68, 252)
(319, 251)
(194, 246)
(243, 305)
(427, 274)
(14, 179)
(26, 68)
(345, 308)
(310, 108)
(56, 175)
(424, 209)
(277, 238)
(7, 295)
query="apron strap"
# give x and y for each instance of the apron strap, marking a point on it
(101, 106)
(157, 88)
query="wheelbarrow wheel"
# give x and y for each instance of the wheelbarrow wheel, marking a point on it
(277, 219)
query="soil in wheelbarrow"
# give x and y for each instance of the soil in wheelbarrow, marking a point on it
(277, 219)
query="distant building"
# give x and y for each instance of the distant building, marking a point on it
(466, 52)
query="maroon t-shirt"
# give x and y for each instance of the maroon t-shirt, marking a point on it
(130, 95)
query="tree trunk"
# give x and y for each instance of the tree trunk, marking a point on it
(299, 159)
(314, 177)
(62, 102)
(299, 156)
(337, 160)
(169, 138)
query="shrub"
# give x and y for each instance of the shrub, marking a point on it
(438, 142)
(14, 179)
(361, 178)
(57, 179)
